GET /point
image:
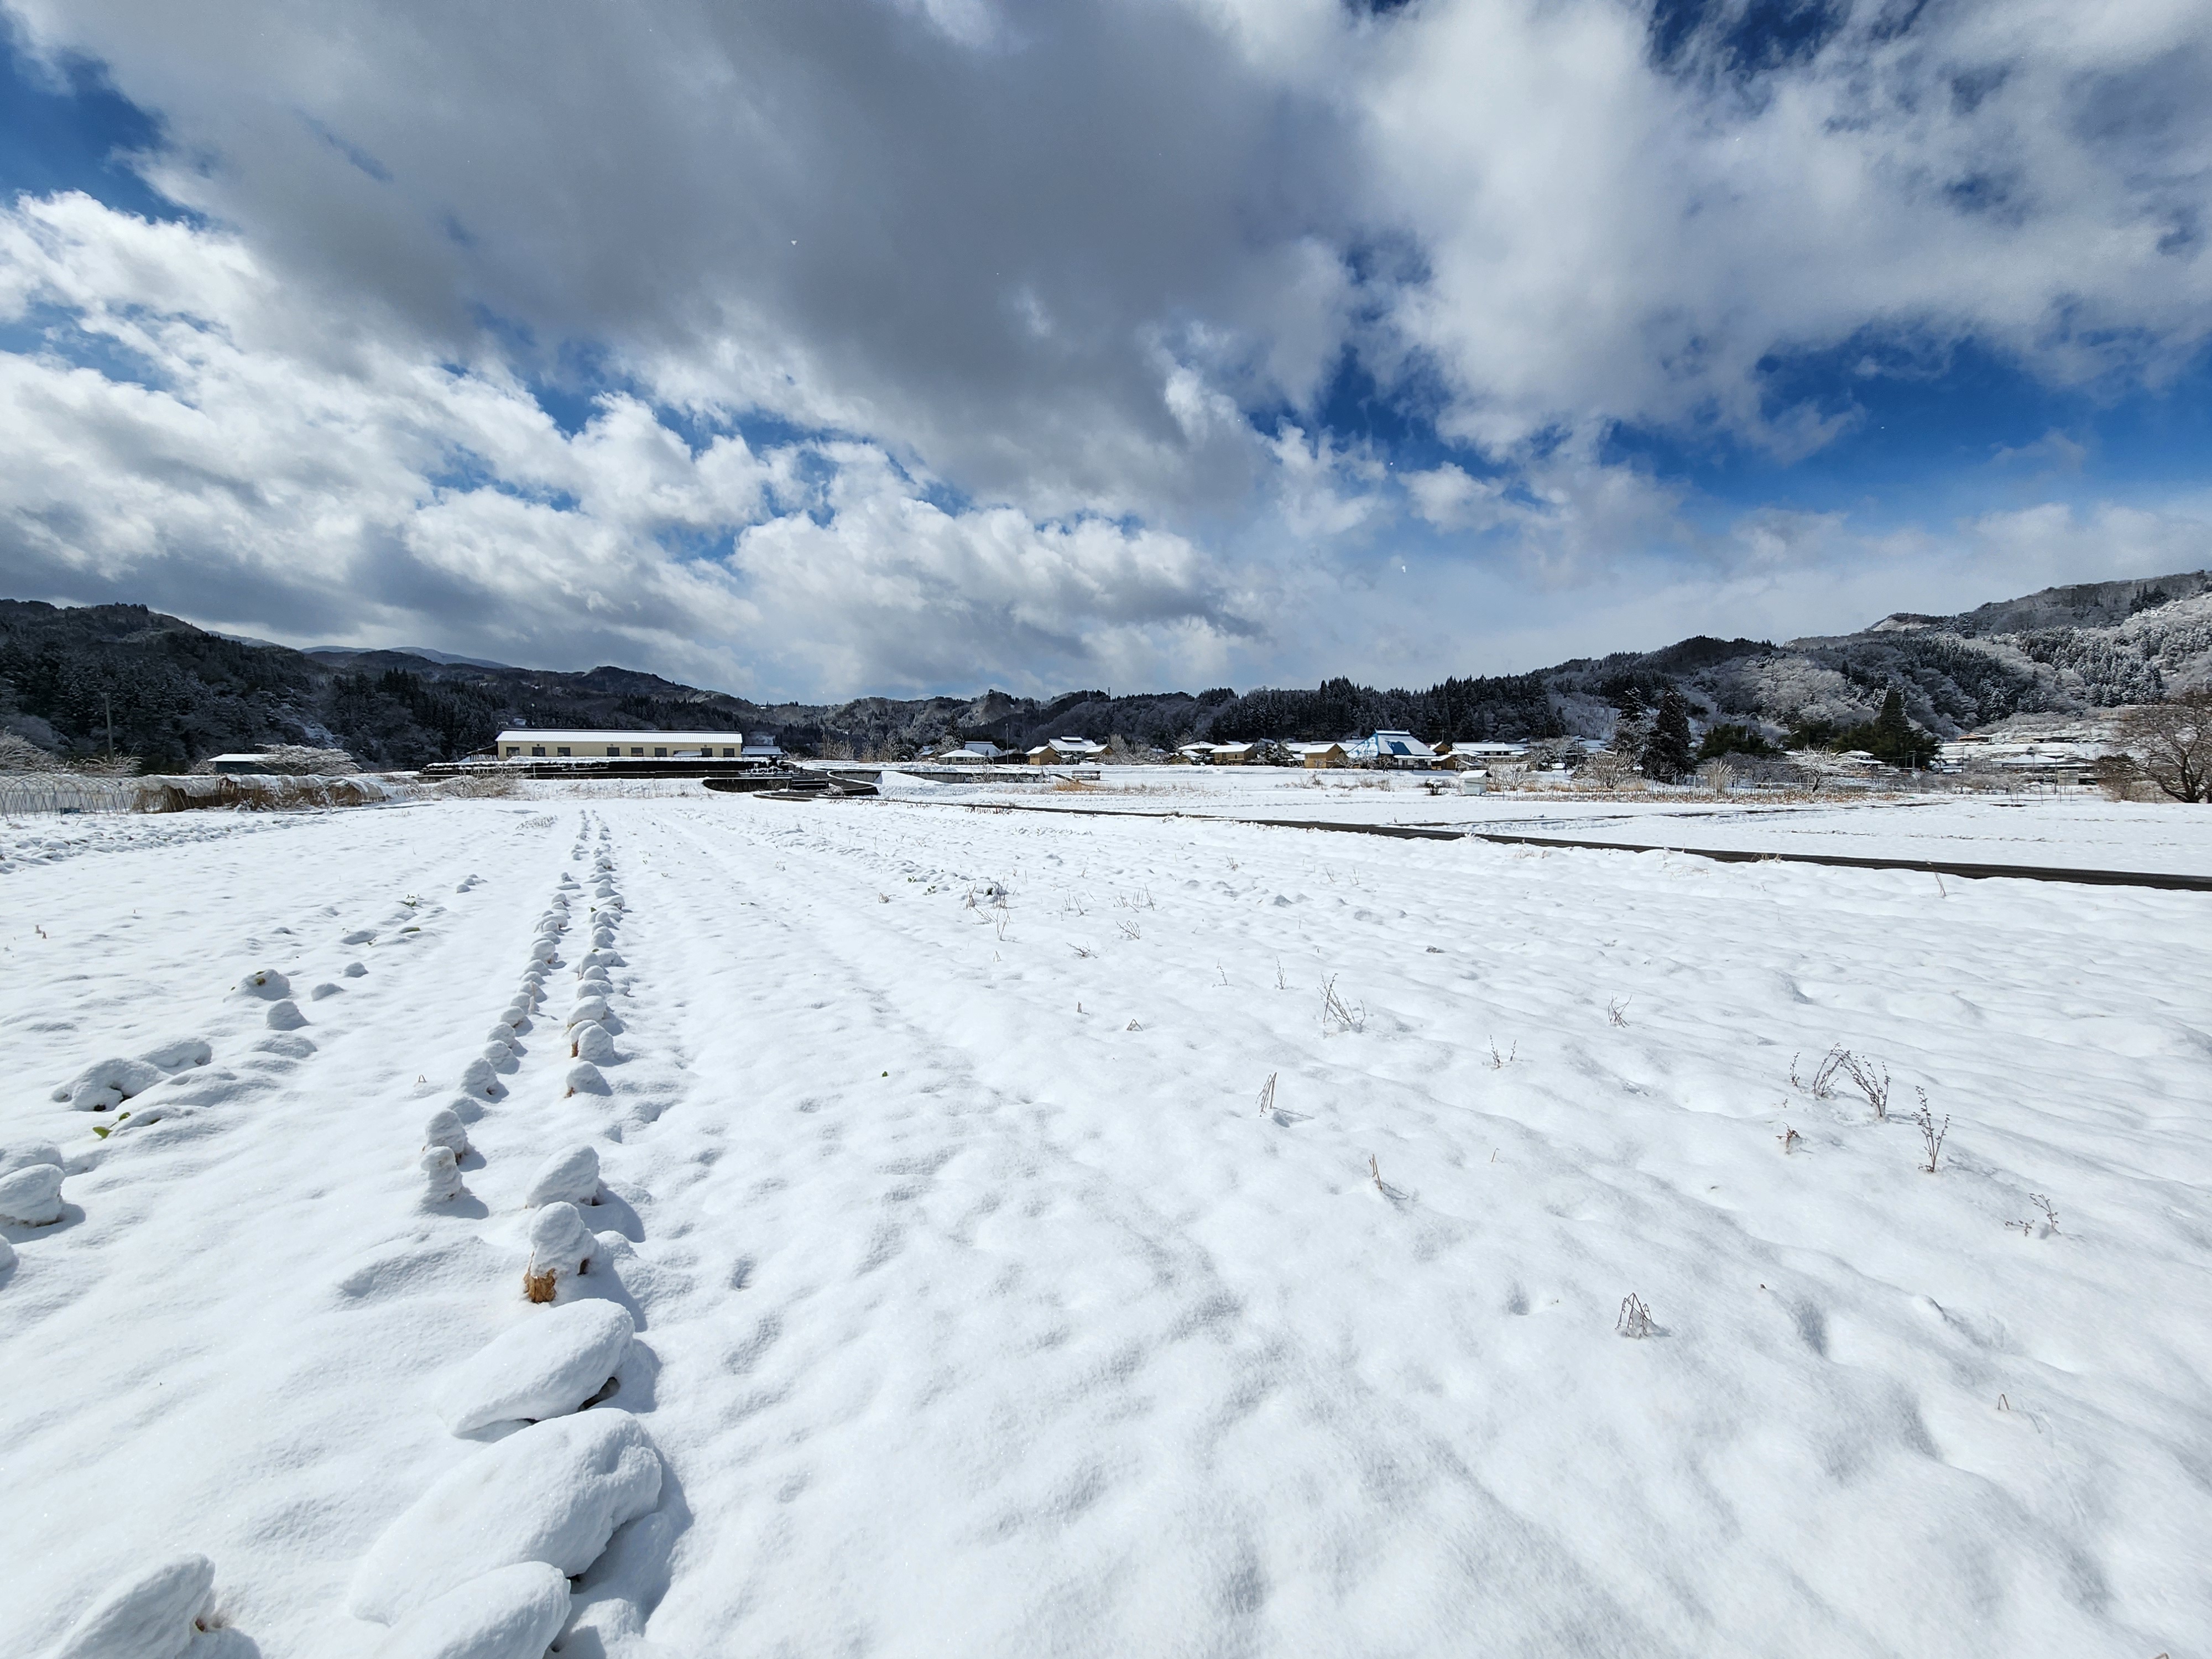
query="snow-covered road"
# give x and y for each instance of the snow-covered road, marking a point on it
(982, 1308)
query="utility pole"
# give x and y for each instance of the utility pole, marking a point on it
(108, 703)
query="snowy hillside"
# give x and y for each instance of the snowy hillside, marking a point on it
(990, 1233)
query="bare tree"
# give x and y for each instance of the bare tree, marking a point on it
(2174, 741)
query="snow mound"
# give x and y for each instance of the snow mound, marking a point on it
(360, 936)
(7, 1257)
(107, 1084)
(441, 1175)
(511, 1613)
(325, 989)
(555, 1492)
(355, 971)
(26, 1153)
(603, 939)
(545, 1366)
(560, 1242)
(285, 1015)
(586, 1078)
(32, 1196)
(444, 1129)
(502, 1036)
(262, 985)
(590, 1041)
(151, 1616)
(595, 982)
(569, 1176)
(600, 959)
(178, 1054)
(587, 1009)
(543, 950)
(479, 1078)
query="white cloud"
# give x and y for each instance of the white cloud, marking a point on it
(255, 479)
(1091, 266)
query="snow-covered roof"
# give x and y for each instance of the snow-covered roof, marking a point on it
(527, 736)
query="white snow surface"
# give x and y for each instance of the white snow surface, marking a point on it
(981, 1308)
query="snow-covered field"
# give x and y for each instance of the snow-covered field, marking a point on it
(980, 1308)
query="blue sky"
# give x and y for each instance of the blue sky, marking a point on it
(924, 344)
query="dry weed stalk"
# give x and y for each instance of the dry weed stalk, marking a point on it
(537, 1284)
(1617, 1010)
(1375, 1174)
(1789, 1138)
(1499, 1062)
(1823, 1086)
(1931, 1136)
(1129, 930)
(1871, 1078)
(1267, 1095)
(1635, 1318)
(1334, 1012)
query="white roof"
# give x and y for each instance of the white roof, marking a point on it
(527, 736)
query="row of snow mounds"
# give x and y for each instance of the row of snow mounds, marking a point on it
(480, 1566)
(591, 1045)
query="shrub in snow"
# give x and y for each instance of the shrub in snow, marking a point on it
(500, 1036)
(560, 1244)
(569, 1176)
(543, 950)
(151, 1616)
(595, 982)
(587, 1008)
(285, 1015)
(600, 959)
(590, 1041)
(555, 1492)
(603, 939)
(586, 1078)
(32, 1196)
(441, 1175)
(265, 985)
(547, 1365)
(479, 1078)
(7, 1257)
(511, 1613)
(107, 1084)
(444, 1129)
(605, 890)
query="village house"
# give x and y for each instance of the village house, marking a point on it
(1062, 752)
(1317, 757)
(975, 752)
(1400, 750)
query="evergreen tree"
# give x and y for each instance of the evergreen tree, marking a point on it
(1669, 753)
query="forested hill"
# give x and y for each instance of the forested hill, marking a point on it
(176, 693)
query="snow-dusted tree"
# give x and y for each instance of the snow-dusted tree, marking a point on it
(2174, 741)
(1669, 752)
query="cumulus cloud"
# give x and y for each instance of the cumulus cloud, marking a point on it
(1034, 307)
(234, 464)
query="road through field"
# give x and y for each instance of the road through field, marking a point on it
(1088, 1236)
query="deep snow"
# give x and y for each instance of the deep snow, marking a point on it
(980, 1308)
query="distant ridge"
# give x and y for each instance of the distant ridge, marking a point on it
(178, 692)
(327, 652)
